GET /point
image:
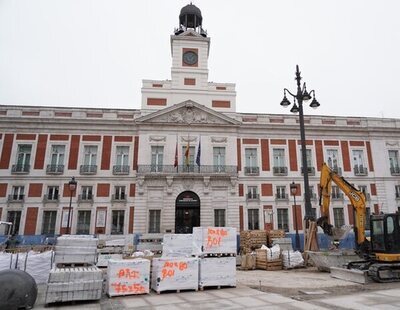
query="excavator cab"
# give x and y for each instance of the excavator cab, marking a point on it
(385, 234)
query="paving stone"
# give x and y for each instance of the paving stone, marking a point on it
(275, 298)
(162, 299)
(250, 301)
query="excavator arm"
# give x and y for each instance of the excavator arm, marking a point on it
(356, 197)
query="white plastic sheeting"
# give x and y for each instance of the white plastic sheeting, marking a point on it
(292, 259)
(217, 271)
(214, 240)
(177, 245)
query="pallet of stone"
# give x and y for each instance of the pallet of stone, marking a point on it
(177, 245)
(151, 242)
(284, 243)
(269, 265)
(217, 271)
(251, 239)
(275, 233)
(175, 274)
(128, 277)
(214, 240)
(76, 249)
(73, 284)
(263, 255)
(102, 260)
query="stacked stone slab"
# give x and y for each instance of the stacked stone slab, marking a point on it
(128, 277)
(74, 276)
(177, 245)
(217, 271)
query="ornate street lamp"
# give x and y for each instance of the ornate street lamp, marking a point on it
(293, 190)
(302, 95)
(72, 187)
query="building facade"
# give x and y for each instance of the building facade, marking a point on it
(186, 158)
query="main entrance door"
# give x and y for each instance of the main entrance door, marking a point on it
(187, 212)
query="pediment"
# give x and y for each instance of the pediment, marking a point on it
(190, 33)
(188, 112)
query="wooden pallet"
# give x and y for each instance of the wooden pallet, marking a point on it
(217, 287)
(269, 265)
(177, 291)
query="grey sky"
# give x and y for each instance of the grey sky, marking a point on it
(94, 53)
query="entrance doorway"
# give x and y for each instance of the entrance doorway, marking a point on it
(187, 212)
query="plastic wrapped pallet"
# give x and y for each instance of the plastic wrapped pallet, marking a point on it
(292, 259)
(171, 273)
(38, 265)
(214, 240)
(76, 249)
(177, 245)
(217, 271)
(128, 277)
(102, 260)
(5, 260)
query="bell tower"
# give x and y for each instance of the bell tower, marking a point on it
(190, 49)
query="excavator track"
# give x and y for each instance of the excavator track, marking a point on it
(385, 272)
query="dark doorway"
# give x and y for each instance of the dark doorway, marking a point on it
(187, 212)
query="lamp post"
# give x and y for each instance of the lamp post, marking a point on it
(293, 190)
(302, 95)
(72, 188)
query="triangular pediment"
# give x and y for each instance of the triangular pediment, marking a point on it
(190, 33)
(188, 112)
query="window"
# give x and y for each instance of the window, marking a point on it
(252, 192)
(219, 159)
(310, 166)
(358, 162)
(397, 189)
(52, 193)
(154, 221)
(333, 159)
(283, 219)
(157, 153)
(83, 226)
(15, 218)
(119, 193)
(86, 193)
(394, 162)
(336, 194)
(188, 164)
(122, 166)
(338, 216)
(49, 222)
(17, 193)
(89, 160)
(363, 189)
(253, 219)
(117, 227)
(23, 158)
(281, 192)
(279, 161)
(56, 159)
(251, 161)
(219, 217)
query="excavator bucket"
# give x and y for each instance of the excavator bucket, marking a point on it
(340, 233)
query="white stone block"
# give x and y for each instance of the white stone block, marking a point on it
(177, 245)
(214, 240)
(217, 271)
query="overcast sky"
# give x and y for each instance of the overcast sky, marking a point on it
(94, 53)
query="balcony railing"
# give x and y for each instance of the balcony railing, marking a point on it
(150, 169)
(20, 169)
(360, 170)
(280, 170)
(85, 198)
(395, 170)
(120, 169)
(51, 198)
(16, 198)
(251, 170)
(311, 170)
(337, 196)
(55, 169)
(88, 169)
(337, 170)
(118, 197)
(281, 196)
(251, 196)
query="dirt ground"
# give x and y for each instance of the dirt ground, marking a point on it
(304, 283)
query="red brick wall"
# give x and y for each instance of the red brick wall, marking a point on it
(356, 143)
(241, 219)
(35, 190)
(123, 139)
(106, 153)
(40, 152)
(189, 81)
(265, 155)
(103, 190)
(250, 141)
(91, 138)
(345, 155)
(31, 219)
(66, 192)
(135, 153)
(3, 189)
(59, 137)
(292, 155)
(331, 143)
(239, 155)
(369, 155)
(319, 154)
(73, 152)
(278, 141)
(26, 136)
(132, 190)
(266, 190)
(373, 189)
(157, 101)
(6, 152)
(131, 217)
(376, 208)
(241, 190)
(221, 104)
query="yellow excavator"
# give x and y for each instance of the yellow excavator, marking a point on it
(381, 253)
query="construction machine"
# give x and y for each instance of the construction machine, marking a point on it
(381, 253)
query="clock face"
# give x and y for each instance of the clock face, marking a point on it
(190, 58)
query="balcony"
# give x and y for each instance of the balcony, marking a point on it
(183, 169)
(360, 170)
(280, 196)
(16, 198)
(20, 169)
(85, 198)
(51, 199)
(280, 170)
(118, 197)
(395, 170)
(337, 196)
(311, 170)
(251, 170)
(88, 169)
(337, 170)
(251, 196)
(55, 169)
(120, 169)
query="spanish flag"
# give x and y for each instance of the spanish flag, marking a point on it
(187, 153)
